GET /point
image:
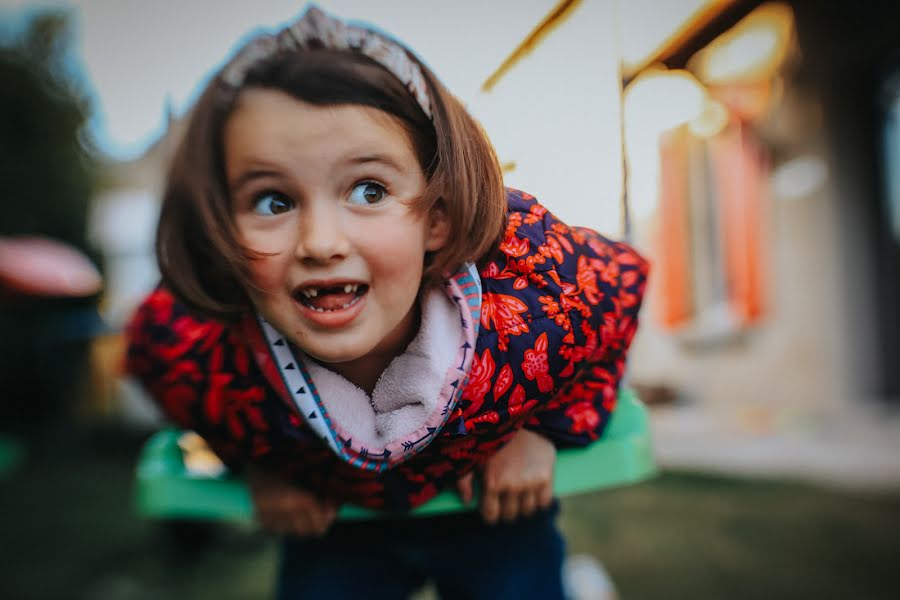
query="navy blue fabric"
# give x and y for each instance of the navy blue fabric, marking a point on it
(392, 558)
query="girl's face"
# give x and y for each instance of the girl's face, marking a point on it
(325, 193)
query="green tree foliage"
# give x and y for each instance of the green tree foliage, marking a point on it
(45, 173)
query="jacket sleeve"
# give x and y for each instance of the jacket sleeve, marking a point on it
(605, 297)
(172, 353)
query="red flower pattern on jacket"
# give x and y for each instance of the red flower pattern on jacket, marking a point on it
(481, 375)
(502, 312)
(536, 366)
(584, 415)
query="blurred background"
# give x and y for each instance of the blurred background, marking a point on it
(750, 149)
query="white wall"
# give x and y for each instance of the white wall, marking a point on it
(556, 116)
(122, 225)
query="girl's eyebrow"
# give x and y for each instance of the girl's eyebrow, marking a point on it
(385, 159)
(248, 176)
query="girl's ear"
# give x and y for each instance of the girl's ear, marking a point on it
(438, 227)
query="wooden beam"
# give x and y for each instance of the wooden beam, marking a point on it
(677, 38)
(554, 18)
(716, 19)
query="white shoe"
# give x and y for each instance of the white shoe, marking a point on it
(584, 578)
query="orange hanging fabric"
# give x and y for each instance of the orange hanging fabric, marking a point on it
(741, 179)
(674, 305)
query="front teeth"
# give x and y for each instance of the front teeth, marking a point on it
(313, 292)
(351, 303)
(348, 305)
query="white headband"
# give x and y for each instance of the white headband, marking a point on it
(317, 29)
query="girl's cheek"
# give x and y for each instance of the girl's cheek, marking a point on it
(263, 269)
(265, 240)
(267, 272)
(406, 267)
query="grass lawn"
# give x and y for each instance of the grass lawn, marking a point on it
(68, 532)
(687, 535)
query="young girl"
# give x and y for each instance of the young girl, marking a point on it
(354, 310)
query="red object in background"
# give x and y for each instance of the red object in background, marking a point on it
(741, 173)
(738, 186)
(37, 266)
(673, 256)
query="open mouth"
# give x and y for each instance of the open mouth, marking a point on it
(331, 298)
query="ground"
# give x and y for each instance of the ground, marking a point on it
(69, 532)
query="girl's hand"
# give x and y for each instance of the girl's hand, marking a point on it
(285, 509)
(517, 480)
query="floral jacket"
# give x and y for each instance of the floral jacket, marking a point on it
(558, 311)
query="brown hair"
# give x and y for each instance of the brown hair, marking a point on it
(197, 246)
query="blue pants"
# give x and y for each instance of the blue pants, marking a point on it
(392, 558)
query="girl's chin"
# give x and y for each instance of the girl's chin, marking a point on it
(334, 353)
(333, 361)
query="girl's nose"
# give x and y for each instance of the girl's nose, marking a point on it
(322, 237)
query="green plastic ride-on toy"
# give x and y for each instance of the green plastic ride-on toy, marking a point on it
(168, 490)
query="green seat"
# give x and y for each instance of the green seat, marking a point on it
(165, 490)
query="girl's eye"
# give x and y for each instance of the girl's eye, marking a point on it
(367, 193)
(272, 203)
